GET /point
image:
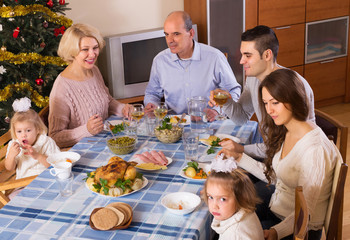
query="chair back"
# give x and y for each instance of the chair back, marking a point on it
(301, 219)
(4, 174)
(334, 130)
(44, 115)
(334, 216)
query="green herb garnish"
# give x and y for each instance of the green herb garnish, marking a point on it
(165, 124)
(89, 175)
(118, 128)
(104, 186)
(211, 150)
(215, 143)
(139, 175)
(123, 184)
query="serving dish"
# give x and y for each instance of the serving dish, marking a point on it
(181, 203)
(139, 161)
(144, 184)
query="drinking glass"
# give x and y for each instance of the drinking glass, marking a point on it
(220, 98)
(190, 141)
(161, 111)
(137, 112)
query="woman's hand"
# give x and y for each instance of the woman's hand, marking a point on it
(95, 124)
(127, 110)
(270, 234)
(231, 149)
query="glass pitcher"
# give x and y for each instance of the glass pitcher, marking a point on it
(197, 110)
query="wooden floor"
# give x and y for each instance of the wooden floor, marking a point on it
(342, 113)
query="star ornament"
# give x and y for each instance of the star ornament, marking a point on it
(2, 70)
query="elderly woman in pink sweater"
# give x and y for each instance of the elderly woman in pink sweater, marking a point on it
(80, 100)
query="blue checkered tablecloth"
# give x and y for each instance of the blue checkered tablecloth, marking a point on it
(39, 212)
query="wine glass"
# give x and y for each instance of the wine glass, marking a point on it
(220, 98)
(137, 112)
(161, 111)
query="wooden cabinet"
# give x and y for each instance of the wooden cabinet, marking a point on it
(291, 21)
(323, 9)
(275, 13)
(291, 50)
(327, 78)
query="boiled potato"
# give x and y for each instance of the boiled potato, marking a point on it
(190, 172)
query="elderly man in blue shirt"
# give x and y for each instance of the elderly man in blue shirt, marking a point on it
(187, 69)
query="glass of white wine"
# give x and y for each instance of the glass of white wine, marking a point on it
(161, 111)
(138, 112)
(220, 98)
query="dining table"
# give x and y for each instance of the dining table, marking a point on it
(40, 212)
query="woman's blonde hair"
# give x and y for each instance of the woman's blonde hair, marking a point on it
(28, 116)
(239, 184)
(69, 46)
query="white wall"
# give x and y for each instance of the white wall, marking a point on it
(122, 16)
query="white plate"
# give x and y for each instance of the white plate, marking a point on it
(206, 168)
(53, 159)
(139, 161)
(187, 118)
(221, 136)
(144, 184)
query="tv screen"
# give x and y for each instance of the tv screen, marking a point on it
(138, 57)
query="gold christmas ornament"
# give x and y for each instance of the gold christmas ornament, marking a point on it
(3, 49)
(31, 57)
(20, 10)
(7, 92)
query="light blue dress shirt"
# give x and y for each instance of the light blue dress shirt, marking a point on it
(180, 80)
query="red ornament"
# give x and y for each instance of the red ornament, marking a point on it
(62, 2)
(58, 31)
(45, 24)
(49, 3)
(39, 81)
(15, 32)
(42, 45)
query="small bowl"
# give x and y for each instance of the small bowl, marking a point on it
(169, 136)
(188, 201)
(72, 157)
(120, 149)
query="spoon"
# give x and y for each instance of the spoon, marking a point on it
(109, 128)
(182, 116)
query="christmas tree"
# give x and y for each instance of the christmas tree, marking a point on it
(30, 32)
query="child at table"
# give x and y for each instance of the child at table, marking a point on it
(231, 198)
(28, 150)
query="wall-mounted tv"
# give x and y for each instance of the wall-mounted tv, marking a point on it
(126, 61)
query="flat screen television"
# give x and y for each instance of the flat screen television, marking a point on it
(126, 61)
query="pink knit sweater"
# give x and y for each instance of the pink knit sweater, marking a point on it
(72, 103)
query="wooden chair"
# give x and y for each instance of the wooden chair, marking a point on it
(8, 180)
(337, 132)
(334, 129)
(334, 216)
(301, 220)
(44, 115)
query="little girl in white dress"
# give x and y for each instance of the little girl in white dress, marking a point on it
(231, 199)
